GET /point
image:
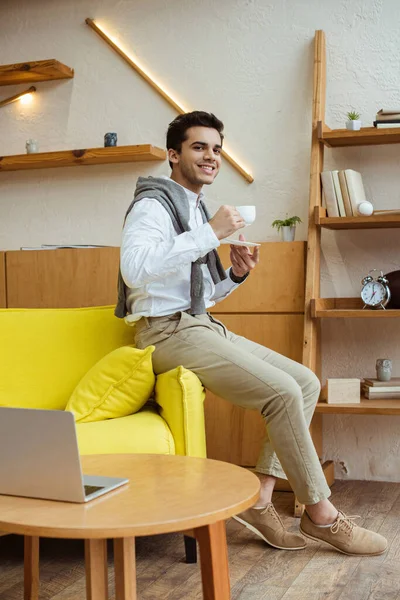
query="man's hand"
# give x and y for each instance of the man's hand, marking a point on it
(226, 221)
(242, 259)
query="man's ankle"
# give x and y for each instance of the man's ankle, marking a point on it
(323, 519)
(322, 513)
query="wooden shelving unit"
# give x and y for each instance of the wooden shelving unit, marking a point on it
(73, 158)
(317, 308)
(30, 72)
(385, 406)
(381, 221)
(347, 308)
(366, 136)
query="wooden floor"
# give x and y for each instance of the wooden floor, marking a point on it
(257, 571)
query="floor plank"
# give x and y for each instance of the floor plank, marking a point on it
(258, 572)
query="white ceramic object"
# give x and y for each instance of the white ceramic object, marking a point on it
(384, 369)
(248, 213)
(353, 125)
(365, 209)
(240, 243)
(288, 232)
(31, 146)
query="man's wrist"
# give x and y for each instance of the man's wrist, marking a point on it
(236, 278)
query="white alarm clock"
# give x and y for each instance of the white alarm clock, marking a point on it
(375, 293)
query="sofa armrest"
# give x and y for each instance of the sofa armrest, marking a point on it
(180, 396)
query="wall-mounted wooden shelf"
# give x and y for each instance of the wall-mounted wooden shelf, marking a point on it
(386, 221)
(385, 406)
(29, 72)
(73, 158)
(366, 136)
(347, 308)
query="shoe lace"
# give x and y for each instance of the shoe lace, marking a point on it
(271, 510)
(345, 523)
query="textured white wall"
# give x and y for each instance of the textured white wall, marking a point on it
(250, 62)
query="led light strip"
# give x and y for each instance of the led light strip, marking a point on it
(19, 96)
(115, 45)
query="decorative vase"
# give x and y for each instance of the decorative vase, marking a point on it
(110, 139)
(353, 125)
(31, 146)
(384, 369)
(288, 232)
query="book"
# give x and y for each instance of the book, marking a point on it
(382, 389)
(332, 208)
(395, 381)
(58, 247)
(355, 189)
(345, 194)
(381, 395)
(385, 118)
(388, 111)
(339, 196)
(386, 125)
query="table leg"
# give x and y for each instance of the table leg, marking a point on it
(214, 561)
(31, 568)
(96, 569)
(125, 568)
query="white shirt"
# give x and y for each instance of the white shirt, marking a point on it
(156, 261)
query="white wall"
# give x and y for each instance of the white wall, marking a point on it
(251, 63)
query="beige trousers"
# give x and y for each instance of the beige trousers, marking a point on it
(251, 376)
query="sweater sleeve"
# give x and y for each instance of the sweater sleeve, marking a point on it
(151, 250)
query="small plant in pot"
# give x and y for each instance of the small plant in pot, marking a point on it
(353, 122)
(287, 228)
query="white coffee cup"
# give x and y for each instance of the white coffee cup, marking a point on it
(248, 213)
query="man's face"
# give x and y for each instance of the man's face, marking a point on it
(199, 161)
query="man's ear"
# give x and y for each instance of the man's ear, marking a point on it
(173, 156)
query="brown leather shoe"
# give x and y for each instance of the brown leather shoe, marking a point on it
(345, 536)
(267, 524)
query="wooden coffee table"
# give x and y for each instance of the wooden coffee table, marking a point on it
(165, 494)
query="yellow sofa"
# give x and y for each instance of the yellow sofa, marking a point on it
(45, 352)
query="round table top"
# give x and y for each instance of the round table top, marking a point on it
(164, 494)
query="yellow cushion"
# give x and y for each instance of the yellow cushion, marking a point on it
(180, 395)
(144, 433)
(45, 352)
(116, 386)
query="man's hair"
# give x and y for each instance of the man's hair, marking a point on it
(177, 129)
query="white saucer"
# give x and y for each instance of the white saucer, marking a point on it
(240, 243)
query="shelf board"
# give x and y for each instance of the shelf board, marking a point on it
(29, 72)
(381, 221)
(385, 406)
(366, 136)
(347, 308)
(91, 156)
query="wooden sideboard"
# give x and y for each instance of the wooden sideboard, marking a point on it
(267, 308)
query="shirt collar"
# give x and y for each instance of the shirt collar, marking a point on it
(192, 196)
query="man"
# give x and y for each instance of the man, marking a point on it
(171, 276)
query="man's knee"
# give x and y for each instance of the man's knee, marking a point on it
(287, 396)
(312, 388)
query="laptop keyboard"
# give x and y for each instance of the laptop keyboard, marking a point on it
(90, 489)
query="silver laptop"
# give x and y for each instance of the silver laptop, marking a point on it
(39, 457)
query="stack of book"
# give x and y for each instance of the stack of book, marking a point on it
(342, 192)
(387, 118)
(374, 389)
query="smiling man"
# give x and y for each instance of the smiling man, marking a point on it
(170, 275)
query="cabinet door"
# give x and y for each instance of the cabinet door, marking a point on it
(65, 278)
(234, 434)
(275, 286)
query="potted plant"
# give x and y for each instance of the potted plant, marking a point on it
(287, 228)
(353, 122)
